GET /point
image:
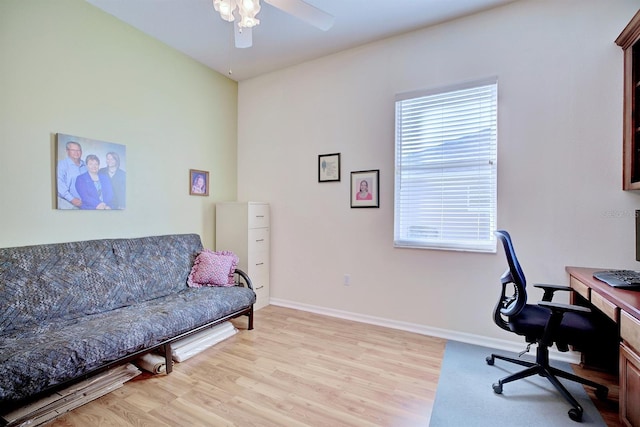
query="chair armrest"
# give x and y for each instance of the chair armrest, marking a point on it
(549, 290)
(563, 308)
(558, 311)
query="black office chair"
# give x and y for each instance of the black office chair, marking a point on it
(544, 324)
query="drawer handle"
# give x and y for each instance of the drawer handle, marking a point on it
(260, 240)
(259, 216)
(260, 263)
(260, 287)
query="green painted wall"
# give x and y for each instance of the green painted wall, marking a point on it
(68, 67)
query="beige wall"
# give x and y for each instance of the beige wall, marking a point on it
(66, 66)
(559, 162)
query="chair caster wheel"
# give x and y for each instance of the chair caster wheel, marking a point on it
(490, 360)
(602, 393)
(497, 388)
(575, 415)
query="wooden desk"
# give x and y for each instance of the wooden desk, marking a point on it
(623, 306)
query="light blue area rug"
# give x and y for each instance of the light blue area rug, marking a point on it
(465, 395)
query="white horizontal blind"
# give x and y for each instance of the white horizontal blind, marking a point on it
(445, 177)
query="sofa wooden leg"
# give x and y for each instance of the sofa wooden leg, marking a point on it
(167, 358)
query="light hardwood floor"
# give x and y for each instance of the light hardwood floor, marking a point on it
(294, 369)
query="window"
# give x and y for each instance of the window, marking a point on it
(445, 175)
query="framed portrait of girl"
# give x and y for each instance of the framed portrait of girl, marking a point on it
(198, 182)
(365, 189)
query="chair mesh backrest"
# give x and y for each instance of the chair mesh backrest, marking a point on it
(512, 305)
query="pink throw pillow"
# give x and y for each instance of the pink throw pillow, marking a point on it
(213, 269)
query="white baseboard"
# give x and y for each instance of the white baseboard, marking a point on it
(504, 345)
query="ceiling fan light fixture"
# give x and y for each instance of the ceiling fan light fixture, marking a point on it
(248, 22)
(225, 8)
(248, 9)
(249, 6)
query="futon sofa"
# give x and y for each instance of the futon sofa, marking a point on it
(71, 310)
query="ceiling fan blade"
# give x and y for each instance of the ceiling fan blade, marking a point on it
(304, 11)
(243, 37)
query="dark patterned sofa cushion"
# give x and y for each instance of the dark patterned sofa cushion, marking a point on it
(56, 351)
(66, 280)
(69, 308)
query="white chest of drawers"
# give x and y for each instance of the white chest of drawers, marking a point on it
(243, 228)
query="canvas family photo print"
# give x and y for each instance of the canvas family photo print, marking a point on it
(90, 174)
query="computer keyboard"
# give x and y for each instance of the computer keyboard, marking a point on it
(619, 278)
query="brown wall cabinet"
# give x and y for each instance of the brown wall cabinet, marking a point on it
(629, 41)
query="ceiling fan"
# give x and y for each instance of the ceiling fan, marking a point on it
(246, 10)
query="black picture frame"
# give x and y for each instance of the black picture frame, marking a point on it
(329, 167)
(365, 189)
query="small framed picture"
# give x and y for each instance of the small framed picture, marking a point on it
(329, 167)
(198, 182)
(365, 189)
